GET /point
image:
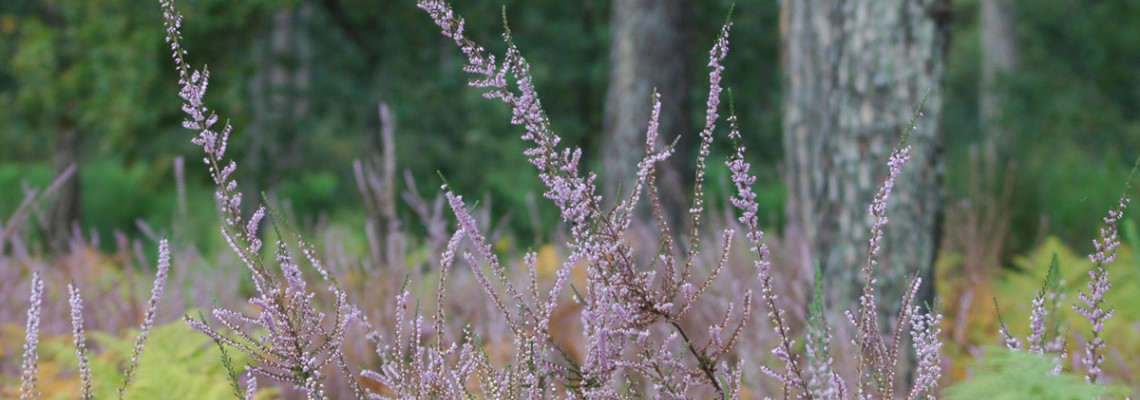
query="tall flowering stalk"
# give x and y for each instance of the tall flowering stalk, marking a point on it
(878, 355)
(621, 303)
(1093, 308)
(148, 315)
(872, 358)
(76, 302)
(298, 340)
(744, 200)
(1037, 340)
(30, 369)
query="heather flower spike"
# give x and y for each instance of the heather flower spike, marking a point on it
(148, 314)
(76, 302)
(1038, 339)
(295, 340)
(744, 200)
(1093, 308)
(30, 370)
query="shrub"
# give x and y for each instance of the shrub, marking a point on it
(633, 305)
(636, 304)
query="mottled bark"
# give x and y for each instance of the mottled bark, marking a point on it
(649, 48)
(999, 58)
(854, 72)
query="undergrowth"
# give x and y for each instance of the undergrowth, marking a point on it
(672, 316)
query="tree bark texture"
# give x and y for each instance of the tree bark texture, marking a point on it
(649, 48)
(854, 72)
(999, 58)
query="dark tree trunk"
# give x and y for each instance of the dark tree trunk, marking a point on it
(65, 204)
(649, 48)
(279, 96)
(854, 72)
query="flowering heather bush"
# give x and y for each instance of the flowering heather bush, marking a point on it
(633, 304)
(645, 308)
(1046, 337)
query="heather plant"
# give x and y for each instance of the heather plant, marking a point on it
(178, 360)
(1046, 338)
(293, 340)
(83, 276)
(637, 302)
(633, 305)
(30, 371)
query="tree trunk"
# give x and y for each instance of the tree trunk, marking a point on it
(854, 72)
(279, 96)
(65, 204)
(999, 58)
(649, 48)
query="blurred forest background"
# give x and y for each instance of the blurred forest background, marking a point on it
(86, 82)
(1037, 113)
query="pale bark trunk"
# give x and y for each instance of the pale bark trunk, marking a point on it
(999, 58)
(854, 73)
(649, 48)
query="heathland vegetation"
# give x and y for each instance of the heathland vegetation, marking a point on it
(557, 284)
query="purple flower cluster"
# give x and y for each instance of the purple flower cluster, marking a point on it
(1093, 308)
(295, 340)
(621, 304)
(30, 370)
(925, 330)
(639, 341)
(1046, 339)
(76, 302)
(631, 314)
(635, 342)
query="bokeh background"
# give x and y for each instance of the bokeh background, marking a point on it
(86, 82)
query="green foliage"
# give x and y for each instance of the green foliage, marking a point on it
(69, 63)
(178, 360)
(1069, 103)
(355, 64)
(117, 194)
(1014, 289)
(315, 191)
(12, 179)
(1004, 374)
(1016, 292)
(114, 195)
(1132, 238)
